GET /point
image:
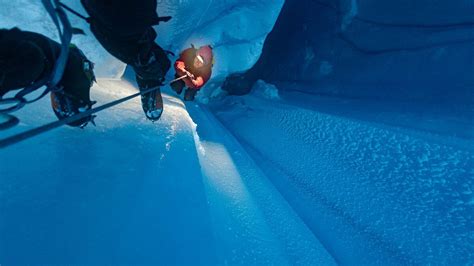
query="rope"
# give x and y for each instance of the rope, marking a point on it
(59, 16)
(53, 125)
(79, 15)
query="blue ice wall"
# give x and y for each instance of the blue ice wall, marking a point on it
(417, 50)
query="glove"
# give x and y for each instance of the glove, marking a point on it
(179, 65)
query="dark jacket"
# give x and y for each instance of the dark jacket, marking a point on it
(124, 19)
(124, 28)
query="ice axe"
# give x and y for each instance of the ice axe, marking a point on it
(178, 79)
(188, 74)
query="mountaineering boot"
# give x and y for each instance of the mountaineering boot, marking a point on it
(178, 86)
(150, 72)
(152, 104)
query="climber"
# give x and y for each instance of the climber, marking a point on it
(125, 29)
(193, 69)
(28, 58)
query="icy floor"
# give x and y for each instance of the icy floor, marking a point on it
(247, 180)
(372, 188)
(132, 191)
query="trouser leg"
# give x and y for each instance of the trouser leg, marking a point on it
(190, 94)
(178, 86)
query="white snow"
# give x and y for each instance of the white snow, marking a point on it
(265, 90)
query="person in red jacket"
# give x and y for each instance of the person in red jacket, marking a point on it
(194, 67)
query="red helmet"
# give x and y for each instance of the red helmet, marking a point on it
(206, 54)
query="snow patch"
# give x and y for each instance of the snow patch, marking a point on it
(265, 90)
(218, 93)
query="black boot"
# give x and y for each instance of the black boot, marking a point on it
(190, 94)
(150, 73)
(152, 104)
(178, 86)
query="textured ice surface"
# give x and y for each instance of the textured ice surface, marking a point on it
(245, 204)
(357, 186)
(107, 193)
(132, 191)
(372, 193)
(265, 90)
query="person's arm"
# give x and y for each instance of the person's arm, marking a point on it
(179, 65)
(181, 70)
(198, 82)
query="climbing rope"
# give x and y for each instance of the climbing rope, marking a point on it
(79, 15)
(59, 18)
(53, 125)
